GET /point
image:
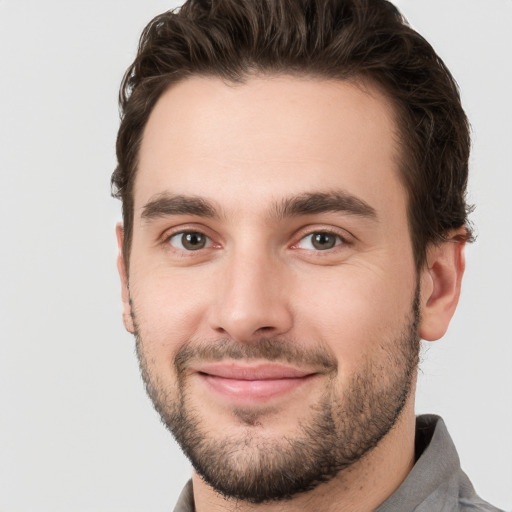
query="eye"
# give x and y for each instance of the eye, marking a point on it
(189, 241)
(319, 241)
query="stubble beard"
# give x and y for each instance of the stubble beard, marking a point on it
(338, 431)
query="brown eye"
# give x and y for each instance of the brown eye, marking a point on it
(189, 241)
(323, 241)
(320, 241)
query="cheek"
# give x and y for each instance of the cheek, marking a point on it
(168, 310)
(355, 312)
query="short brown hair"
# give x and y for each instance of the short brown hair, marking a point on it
(330, 39)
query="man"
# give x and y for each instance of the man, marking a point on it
(293, 177)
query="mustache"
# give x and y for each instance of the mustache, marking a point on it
(270, 349)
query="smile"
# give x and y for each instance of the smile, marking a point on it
(252, 383)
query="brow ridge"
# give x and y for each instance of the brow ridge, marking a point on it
(322, 202)
(308, 203)
(166, 204)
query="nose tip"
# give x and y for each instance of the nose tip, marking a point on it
(247, 326)
(252, 304)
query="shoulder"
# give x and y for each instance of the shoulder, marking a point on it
(469, 501)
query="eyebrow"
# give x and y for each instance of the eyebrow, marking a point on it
(309, 203)
(323, 202)
(165, 204)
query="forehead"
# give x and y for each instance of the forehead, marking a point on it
(243, 145)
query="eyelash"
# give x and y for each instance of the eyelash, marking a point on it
(168, 240)
(340, 240)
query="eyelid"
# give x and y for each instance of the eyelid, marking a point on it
(208, 240)
(346, 238)
(166, 236)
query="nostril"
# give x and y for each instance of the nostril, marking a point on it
(265, 329)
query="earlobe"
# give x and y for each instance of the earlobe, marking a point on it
(123, 275)
(440, 286)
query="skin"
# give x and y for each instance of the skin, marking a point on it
(245, 149)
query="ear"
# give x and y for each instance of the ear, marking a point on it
(440, 286)
(123, 274)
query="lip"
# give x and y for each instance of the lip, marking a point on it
(252, 383)
(261, 371)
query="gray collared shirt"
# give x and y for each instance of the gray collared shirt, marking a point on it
(435, 484)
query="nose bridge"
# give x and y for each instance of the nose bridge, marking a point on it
(251, 302)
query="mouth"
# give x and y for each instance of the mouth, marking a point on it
(252, 383)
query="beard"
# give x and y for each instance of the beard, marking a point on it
(335, 432)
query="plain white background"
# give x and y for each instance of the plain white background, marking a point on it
(77, 433)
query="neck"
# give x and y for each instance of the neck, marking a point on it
(360, 488)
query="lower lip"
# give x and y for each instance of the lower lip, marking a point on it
(253, 390)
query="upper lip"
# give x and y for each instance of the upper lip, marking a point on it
(261, 371)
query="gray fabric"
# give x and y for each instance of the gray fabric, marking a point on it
(435, 484)
(186, 500)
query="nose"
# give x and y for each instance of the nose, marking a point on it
(252, 299)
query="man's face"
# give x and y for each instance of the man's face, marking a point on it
(272, 282)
